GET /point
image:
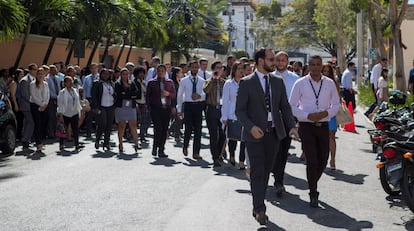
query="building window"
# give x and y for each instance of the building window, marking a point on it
(233, 43)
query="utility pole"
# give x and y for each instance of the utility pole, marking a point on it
(245, 30)
(360, 48)
(230, 27)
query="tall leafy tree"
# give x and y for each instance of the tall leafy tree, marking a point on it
(336, 24)
(267, 16)
(12, 20)
(36, 11)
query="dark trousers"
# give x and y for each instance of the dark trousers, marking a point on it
(315, 142)
(176, 125)
(193, 122)
(281, 159)
(373, 105)
(144, 120)
(19, 120)
(51, 123)
(232, 148)
(160, 118)
(105, 120)
(90, 116)
(40, 122)
(261, 156)
(73, 121)
(215, 130)
(349, 97)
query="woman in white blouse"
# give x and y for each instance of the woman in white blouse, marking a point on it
(39, 99)
(228, 109)
(69, 110)
(382, 92)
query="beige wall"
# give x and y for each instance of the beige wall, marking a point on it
(37, 45)
(408, 39)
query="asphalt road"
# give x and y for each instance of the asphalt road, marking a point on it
(97, 190)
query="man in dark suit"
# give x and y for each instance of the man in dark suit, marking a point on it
(160, 91)
(24, 105)
(263, 109)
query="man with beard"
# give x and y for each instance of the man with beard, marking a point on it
(289, 79)
(263, 109)
(191, 96)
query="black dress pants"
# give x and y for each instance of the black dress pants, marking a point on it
(105, 120)
(349, 97)
(193, 122)
(215, 129)
(160, 118)
(262, 155)
(281, 159)
(315, 140)
(74, 122)
(40, 122)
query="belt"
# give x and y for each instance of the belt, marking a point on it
(269, 127)
(214, 106)
(316, 124)
(198, 102)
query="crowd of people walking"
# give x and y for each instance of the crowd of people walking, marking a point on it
(261, 103)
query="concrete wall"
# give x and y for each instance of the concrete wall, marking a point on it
(37, 45)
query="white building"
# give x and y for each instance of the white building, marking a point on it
(237, 19)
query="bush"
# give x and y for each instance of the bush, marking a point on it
(366, 97)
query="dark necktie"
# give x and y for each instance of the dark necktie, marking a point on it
(56, 85)
(194, 85)
(204, 75)
(218, 92)
(267, 93)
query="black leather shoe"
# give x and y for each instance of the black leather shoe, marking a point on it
(280, 189)
(262, 218)
(154, 151)
(216, 163)
(161, 153)
(314, 202)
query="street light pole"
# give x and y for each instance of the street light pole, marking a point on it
(230, 26)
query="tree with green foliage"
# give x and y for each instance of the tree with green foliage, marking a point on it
(336, 24)
(12, 20)
(267, 15)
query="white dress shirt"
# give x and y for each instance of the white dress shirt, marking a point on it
(303, 98)
(107, 95)
(228, 108)
(202, 73)
(289, 78)
(186, 90)
(375, 74)
(68, 102)
(39, 95)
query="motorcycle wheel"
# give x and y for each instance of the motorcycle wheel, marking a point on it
(408, 186)
(388, 188)
(10, 140)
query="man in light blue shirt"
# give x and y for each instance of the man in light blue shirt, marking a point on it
(87, 94)
(346, 85)
(289, 79)
(55, 84)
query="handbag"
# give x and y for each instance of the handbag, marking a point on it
(343, 116)
(234, 130)
(86, 107)
(60, 130)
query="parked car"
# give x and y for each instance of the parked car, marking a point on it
(8, 126)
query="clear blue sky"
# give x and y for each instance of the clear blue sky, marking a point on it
(411, 1)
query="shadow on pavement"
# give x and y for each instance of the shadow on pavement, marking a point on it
(7, 176)
(196, 163)
(294, 159)
(229, 170)
(270, 226)
(167, 162)
(36, 155)
(24, 152)
(325, 215)
(107, 154)
(298, 183)
(340, 175)
(67, 153)
(124, 156)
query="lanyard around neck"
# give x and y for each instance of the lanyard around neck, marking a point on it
(316, 95)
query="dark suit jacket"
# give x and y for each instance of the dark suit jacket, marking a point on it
(97, 91)
(24, 99)
(153, 96)
(251, 107)
(126, 93)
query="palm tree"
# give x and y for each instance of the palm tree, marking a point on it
(37, 10)
(12, 20)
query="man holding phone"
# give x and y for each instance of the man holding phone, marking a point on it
(213, 87)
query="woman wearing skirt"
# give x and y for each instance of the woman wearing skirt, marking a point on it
(125, 108)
